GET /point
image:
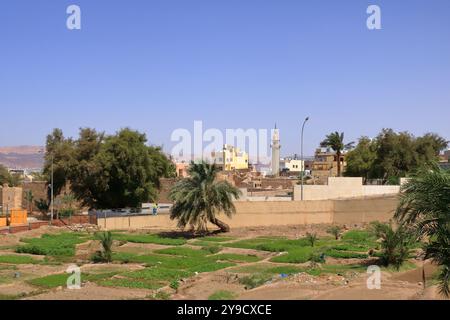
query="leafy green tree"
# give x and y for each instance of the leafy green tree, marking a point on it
(361, 159)
(200, 197)
(42, 205)
(311, 238)
(399, 154)
(124, 169)
(59, 152)
(4, 175)
(87, 180)
(335, 141)
(11, 180)
(424, 205)
(102, 171)
(392, 155)
(335, 231)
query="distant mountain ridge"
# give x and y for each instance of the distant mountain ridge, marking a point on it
(22, 157)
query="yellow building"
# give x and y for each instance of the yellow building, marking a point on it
(230, 158)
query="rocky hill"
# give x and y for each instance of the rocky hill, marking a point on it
(22, 157)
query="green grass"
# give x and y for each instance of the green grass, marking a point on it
(62, 244)
(345, 254)
(183, 251)
(223, 295)
(216, 239)
(236, 257)
(358, 235)
(132, 283)
(158, 273)
(17, 259)
(148, 278)
(352, 247)
(190, 263)
(210, 267)
(253, 243)
(50, 281)
(148, 238)
(60, 279)
(299, 255)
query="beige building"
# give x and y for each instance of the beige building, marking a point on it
(182, 169)
(292, 165)
(10, 198)
(325, 165)
(230, 158)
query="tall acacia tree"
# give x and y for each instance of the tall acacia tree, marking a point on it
(424, 205)
(107, 171)
(335, 141)
(200, 197)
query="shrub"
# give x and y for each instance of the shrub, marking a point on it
(311, 238)
(298, 255)
(222, 295)
(62, 244)
(395, 245)
(357, 236)
(106, 241)
(175, 284)
(255, 280)
(149, 238)
(183, 251)
(212, 249)
(335, 231)
(345, 255)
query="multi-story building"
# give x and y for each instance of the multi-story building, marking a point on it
(292, 164)
(230, 158)
(325, 165)
(182, 169)
(10, 198)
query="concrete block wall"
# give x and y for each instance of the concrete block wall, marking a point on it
(266, 214)
(342, 188)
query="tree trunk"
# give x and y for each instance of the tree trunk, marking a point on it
(222, 225)
(338, 163)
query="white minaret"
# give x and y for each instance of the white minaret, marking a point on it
(276, 152)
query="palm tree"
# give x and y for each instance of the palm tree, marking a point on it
(395, 243)
(106, 241)
(424, 204)
(335, 141)
(198, 198)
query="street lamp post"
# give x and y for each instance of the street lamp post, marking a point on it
(51, 194)
(303, 160)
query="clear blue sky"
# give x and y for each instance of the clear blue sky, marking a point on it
(159, 65)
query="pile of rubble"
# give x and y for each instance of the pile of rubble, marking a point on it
(86, 227)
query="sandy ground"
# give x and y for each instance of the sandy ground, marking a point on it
(405, 285)
(92, 292)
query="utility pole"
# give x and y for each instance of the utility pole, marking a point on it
(51, 194)
(303, 160)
